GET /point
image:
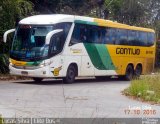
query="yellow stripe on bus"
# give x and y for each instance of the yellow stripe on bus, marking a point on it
(18, 63)
(108, 23)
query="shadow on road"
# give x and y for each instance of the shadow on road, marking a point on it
(78, 81)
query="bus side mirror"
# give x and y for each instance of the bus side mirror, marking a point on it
(6, 34)
(50, 34)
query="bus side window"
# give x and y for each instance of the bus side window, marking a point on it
(75, 35)
(94, 34)
(83, 33)
(151, 39)
(122, 38)
(118, 37)
(143, 38)
(57, 43)
(79, 34)
(113, 36)
(103, 35)
(99, 33)
(131, 37)
(108, 36)
(65, 26)
(90, 34)
(137, 41)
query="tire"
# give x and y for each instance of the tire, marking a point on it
(129, 73)
(37, 79)
(71, 75)
(138, 71)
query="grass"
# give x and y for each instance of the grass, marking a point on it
(1, 120)
(147, 88)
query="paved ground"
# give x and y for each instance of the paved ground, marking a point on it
(85, 98)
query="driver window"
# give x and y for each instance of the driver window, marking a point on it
(57, 43)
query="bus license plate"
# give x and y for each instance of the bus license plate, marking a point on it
(24, 73)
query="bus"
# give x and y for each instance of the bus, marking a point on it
(70, 46)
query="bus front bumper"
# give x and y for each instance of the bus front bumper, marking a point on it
(42, 72)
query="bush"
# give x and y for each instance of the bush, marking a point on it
(1, 120)
(4, 64)
(147, 88)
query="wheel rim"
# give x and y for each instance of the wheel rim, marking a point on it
(129, 73)
(138, 71)
(71, 74)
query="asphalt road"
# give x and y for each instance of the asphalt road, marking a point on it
(83, 99)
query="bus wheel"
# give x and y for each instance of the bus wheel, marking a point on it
(37, 79)
(138, 71)
(129, 73)
(71, 75)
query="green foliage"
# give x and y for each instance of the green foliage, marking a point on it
(1, 120)
(114, 6)
(10, 12)
(128, 11)
(24, 7)
(62, 6)
(146, 88)
(4, 62)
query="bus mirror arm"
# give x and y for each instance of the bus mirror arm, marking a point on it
(6, 34)
(50, 34)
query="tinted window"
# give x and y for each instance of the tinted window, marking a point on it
(76, 34)
(65, 26)
(104, 35)
(113, 35)
(58, 39)
(151, 39)
(143, 38)
(122, 37)
(133, 38)
(108, 35)
(94, 34)
(79, 34)
(57, 43)
(83, 33)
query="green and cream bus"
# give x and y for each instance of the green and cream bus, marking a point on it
(68, 46)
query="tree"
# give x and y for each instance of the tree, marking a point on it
(77, 7)
(10, 11)
(114, 8)
(128, 11)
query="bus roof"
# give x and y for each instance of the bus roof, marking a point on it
(47, 19)
(56, 18)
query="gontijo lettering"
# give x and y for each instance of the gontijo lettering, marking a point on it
(128, 51)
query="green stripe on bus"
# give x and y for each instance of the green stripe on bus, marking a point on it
(86, 22)
(33, 63)
(99, 56)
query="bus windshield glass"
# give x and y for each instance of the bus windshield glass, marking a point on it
(29, 41)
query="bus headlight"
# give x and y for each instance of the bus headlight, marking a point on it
(11, 64)
(43, 64)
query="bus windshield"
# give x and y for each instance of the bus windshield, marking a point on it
(29, 42)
